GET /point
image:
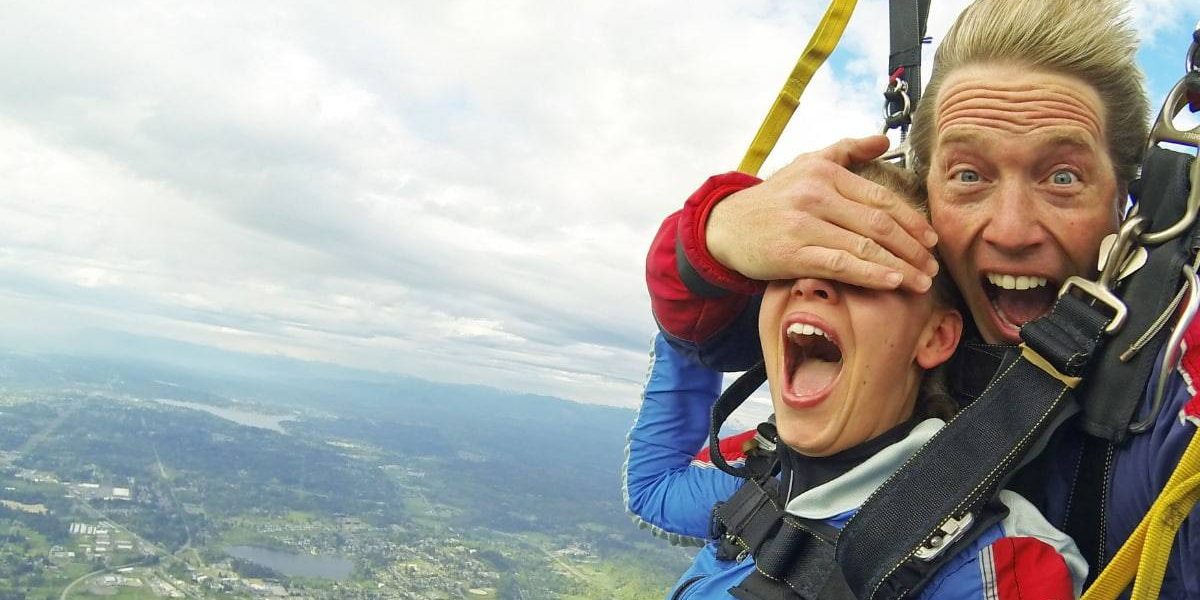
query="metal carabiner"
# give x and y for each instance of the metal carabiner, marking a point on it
(1174, 345)
(892, 120)
(1164, 130)
(1123, 246)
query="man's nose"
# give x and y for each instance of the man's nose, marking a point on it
(1013, 225)
(817, 290)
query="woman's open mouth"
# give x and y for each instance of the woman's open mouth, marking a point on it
(812, 363)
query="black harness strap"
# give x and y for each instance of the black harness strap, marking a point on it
(729, 401)
(908, 18)
(1114, 386)
(1085, 523)
(1113, 389)
(793, 557)
(748, 519)
(890, 547)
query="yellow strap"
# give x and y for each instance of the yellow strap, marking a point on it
(1144, 555)
(823, 40)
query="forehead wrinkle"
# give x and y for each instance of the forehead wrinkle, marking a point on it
(1018, 108)
(1051, 137)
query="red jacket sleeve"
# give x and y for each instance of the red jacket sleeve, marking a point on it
(692, 295)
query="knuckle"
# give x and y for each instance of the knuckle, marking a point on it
(879, 221)
(880, 197)
(838, 261)
(866, 247)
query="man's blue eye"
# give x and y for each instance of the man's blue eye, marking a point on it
(968, 176)
(1063, 177)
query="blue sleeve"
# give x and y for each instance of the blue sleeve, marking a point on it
(664, 491)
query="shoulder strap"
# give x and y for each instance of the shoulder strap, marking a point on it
(793, 557)
(925, 509)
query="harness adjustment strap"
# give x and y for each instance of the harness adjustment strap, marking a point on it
(729, 401)
(1032, 356)
(748, 519)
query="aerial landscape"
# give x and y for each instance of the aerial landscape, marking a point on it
(142, 479)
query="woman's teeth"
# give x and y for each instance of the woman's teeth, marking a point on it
(798, 329)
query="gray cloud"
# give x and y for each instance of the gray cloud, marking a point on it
(462, 191)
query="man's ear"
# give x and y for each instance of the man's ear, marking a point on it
(940, 337)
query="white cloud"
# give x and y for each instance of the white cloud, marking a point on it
(456, 190)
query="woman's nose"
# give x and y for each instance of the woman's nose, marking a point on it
(816, 290)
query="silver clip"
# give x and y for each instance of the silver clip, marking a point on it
(947, 533)
(1164, 130)
(1174, 350)
(1119, 256)
(896, 86)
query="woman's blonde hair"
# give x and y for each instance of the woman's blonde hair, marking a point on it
(933, 397)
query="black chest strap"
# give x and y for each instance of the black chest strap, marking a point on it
(924, 510)
(794, 557)
(929, 508)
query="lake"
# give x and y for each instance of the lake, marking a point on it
(241, 417)
(294, 565)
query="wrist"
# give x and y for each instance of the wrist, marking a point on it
(693, 236)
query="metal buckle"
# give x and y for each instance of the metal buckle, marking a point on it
(1102, 295)
(947, 533)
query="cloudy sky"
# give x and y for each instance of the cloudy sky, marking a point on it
(462, 191)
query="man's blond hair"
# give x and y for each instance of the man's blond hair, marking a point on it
(1090, 40)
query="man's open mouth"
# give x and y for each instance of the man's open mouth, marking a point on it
(1019, 299)
(813, 360)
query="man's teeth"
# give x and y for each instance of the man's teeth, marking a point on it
(1015, 282)
(798, 329)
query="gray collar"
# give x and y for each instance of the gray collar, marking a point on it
(849, 491)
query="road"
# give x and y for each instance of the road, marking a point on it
(67, 590)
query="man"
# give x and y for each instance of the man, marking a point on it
(1029, 133)
(849, 371)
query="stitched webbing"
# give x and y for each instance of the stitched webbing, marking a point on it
(963, 465)
(823, 41)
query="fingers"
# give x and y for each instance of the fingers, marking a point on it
(856, 150)
(834, 251)
(913, 225)
(839, 265)
(852, 151)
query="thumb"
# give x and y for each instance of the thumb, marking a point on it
(852, 151)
